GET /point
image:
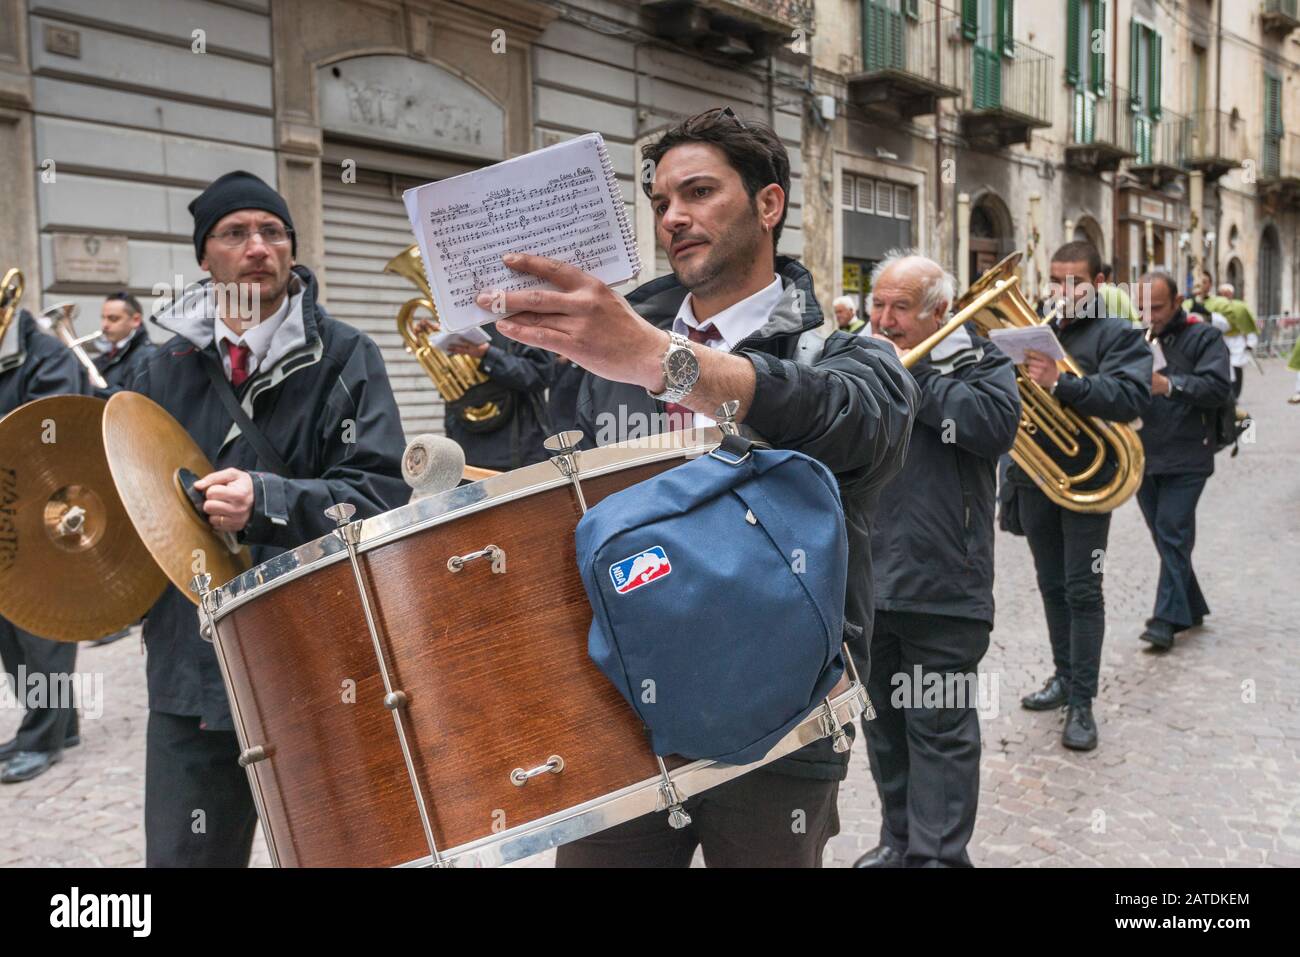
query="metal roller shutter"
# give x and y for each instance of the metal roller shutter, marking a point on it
(365, 227)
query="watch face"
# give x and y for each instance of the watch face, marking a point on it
(681, 364)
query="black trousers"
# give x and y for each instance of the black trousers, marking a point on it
(198, 809)
(42, 728)
(760, 819)
(1168, 503)
(925, 754)
(1069, 550)
(1238, 380)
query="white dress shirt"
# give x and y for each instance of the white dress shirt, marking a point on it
(733, 324)
(258, 338)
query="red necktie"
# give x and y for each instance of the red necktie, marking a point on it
(238, 363)
(680, 417)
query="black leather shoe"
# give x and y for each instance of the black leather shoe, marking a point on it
(882, 856)
(1050, 696)
(10, 747)
(26, 765)
(1159, 633)
(1080, 732)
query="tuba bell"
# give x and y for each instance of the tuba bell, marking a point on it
(452, 376)
(58, 321)
(11, 291)
(1082, 463)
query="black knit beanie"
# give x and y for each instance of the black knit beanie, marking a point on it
(231, 192)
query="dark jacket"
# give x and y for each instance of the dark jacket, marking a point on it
(932, 533)
(562, 400)
(1178, 429)
(35, 365)
(324, 403)
(1116, 362)
(519, 377)
(852, 410)
(120, 370)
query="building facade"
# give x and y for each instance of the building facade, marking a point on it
(1159, 129)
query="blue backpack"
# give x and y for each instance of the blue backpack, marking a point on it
(717, 591)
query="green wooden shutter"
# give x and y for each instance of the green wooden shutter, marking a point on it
(1157, 42)
(1007, 27)
(970, 19)
(1134, 74)
(914, 9)
(1272, 158)
(1072, 63)
(1097, 35)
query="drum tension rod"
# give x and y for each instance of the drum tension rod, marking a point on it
(565, 444)
(670, 798)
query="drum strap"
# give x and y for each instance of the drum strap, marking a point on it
(266, 454)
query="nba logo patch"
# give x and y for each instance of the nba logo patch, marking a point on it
(639, 569)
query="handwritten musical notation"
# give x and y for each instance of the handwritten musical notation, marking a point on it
(561, 202)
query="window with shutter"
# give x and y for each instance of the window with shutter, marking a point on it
(1073, 42)
(970, 19)
(1156, 42)
(884, 199)
(903, 202)
(1007, 27)
(1097, 46)
(866, 201)
(1271, 161)
(847, 199)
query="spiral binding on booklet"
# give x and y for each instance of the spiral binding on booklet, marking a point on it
(620, 209)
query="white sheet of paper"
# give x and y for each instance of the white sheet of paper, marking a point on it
(471, 336)
(1158, 356)
(1015, 342)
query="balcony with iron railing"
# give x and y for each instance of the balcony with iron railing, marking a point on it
(1280, 17)
(1278, 179)
(735, 30)
(907, 67)
(1159, 147)
(1101, 136)
(1216, 142)
(1005, 93)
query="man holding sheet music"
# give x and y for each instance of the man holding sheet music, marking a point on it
(727, 326)
(1069, 547)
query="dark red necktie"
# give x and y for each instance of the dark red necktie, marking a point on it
(680, 417)
(238, 363)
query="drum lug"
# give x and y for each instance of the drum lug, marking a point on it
(253, 755)
(494, 552)
(832, 728)
(565, 444)
(726, 417)
(554, 765)
(670, 798)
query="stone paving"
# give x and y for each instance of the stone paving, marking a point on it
(1199, 761)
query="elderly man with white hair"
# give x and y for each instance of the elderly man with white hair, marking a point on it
(846, 315)
(932, 555)
(1233, 318)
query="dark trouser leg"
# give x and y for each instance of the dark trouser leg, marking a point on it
(887, 734)
(1238, 380)
(1041, 520)
(943, 737)
(43, 728)
(1085, 539)
(198, 809)
(761, 819)
(1169, 506)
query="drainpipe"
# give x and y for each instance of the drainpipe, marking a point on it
(1196, 190)
(963, 240)
(939, 184)
(1116, 108)
(1218, 90)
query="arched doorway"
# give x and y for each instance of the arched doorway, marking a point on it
(1237, 276)
(1270, 273)
(990, 234)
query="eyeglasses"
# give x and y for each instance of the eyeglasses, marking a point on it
(710, 118)
(272, 234)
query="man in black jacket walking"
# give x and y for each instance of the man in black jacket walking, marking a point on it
(1069, 547)
(932, 552)
(317, 391)
(33, 366)
(129, 348)
(726, 326)
(1178, 436)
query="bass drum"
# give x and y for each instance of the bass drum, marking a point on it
(423, 695)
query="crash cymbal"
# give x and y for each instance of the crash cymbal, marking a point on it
(147, 452)
(72, 567)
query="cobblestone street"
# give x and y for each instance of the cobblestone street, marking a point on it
(1199, 762)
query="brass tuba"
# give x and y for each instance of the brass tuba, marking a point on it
(11, 291)
(1080, 462)
(58, 322)
(452, 376)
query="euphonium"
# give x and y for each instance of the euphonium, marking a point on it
(452, 376)
(1080, 462)
(58, 322)
(11, 291)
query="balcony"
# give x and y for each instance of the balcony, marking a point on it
(1278, 182)
(1159, 147)
(1280, 17)
(1004, 98)
(735, 30)
(1101, 136)
(907, 67)
(1216, 142)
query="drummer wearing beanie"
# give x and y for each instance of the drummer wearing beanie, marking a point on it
(296, 412)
